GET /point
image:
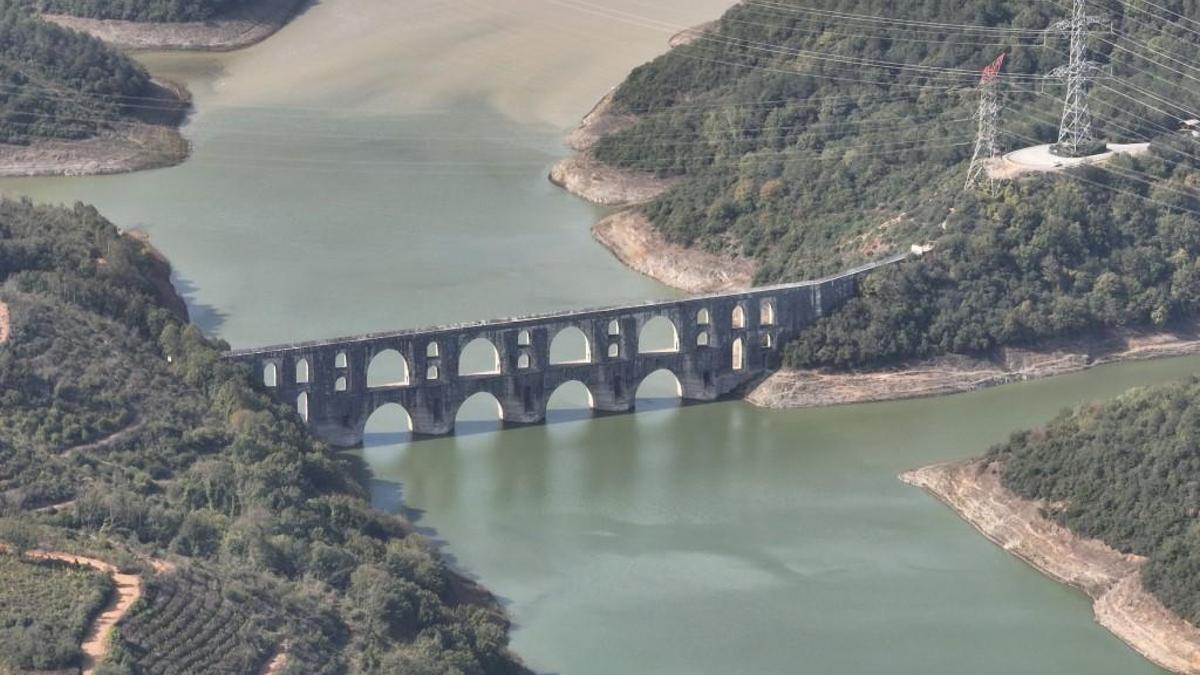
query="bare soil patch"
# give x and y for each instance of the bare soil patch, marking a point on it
(277, 663)
(635, 242)
(5, 329)
(974, 490)
(585, 176)
(240, 27)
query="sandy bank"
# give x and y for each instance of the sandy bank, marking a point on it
(585, 176)
(974, 490)
(956, 374)
(628, 234)
(240, 27)
(133, 146)
(635, 242)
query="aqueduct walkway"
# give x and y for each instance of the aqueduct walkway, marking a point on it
(722, 342)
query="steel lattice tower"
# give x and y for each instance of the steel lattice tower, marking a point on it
(1075, 131)
(986, 146)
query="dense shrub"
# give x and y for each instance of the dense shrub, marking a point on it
(282, 542)
(1126, 472)
(45, 608)
(57, 83)
(139, 10)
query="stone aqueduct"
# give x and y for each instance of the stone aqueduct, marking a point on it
(722, 343)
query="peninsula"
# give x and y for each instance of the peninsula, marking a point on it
(201, 25)
(731, 164)
(78, 106)
(1100, 499)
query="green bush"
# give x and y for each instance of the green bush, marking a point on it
(1126, 472)
(58, 83)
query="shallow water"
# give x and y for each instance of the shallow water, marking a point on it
(381, 164)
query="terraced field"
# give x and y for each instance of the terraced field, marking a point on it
(185, 623)
(45, 609)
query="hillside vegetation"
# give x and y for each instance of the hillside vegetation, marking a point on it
(56, 83)
(1049, 257)
(1126, 472)
(815, 135)
(45, 609)
(110, 402)
(139, 10)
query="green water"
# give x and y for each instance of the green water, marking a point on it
(381, 164)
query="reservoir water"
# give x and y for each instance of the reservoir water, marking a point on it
(381, 164)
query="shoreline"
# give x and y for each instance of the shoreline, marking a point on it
(630, 237)
(136, 147)
(584, 176)
(956, 374)
(628, 234)
(240, 27)
(150, 139)
(973, 490)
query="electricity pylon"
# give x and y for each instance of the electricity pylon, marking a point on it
(989, 112)
(1075, 131)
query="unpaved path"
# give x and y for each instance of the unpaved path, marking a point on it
(974, 490)
(128, 590)
(4, 327)
(277, 663)
(115, 437)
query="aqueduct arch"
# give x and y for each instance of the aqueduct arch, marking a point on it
(715, 345)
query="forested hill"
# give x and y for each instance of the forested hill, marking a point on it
(1126, 472)
(813, 135)
(139, 10)
(56, 83)
(153, 446)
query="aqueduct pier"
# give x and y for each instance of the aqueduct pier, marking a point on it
(722, 343)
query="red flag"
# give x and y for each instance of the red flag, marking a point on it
(993, 70)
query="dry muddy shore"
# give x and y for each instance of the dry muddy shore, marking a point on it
(132, 146)
(238, 28)
(635, 242)
(584, 176)
(147, 137)
(956, 374)
(628, 234)
(974, 490)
